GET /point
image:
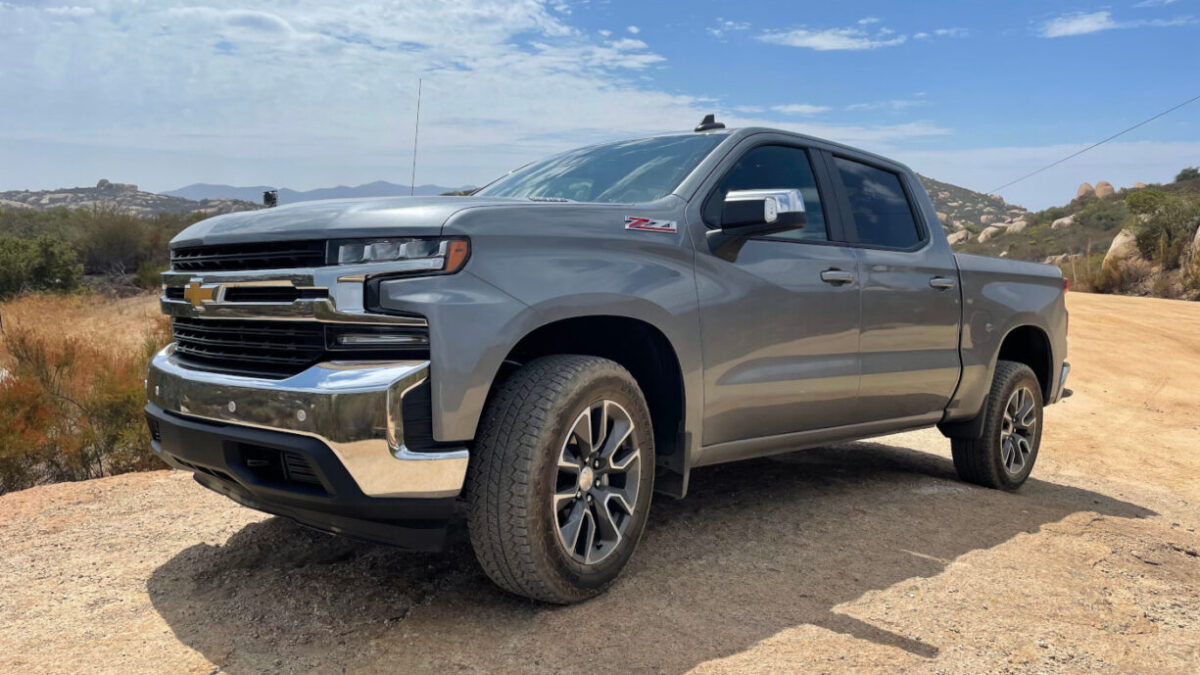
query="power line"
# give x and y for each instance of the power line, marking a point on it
(1099, 143)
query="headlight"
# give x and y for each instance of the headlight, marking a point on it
(440, 256)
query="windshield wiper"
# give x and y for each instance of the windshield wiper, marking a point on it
(552, 199)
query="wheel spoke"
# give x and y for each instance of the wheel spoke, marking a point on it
(563, 497)
(589, 542)
(606, 524)
(581, 431)
(569, 531)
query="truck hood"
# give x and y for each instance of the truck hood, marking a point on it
(383, 216)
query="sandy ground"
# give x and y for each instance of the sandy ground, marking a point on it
(865, 557)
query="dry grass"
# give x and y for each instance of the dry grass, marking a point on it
(107, 323)
(72, 392)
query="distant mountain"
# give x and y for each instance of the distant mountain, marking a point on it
(123, 196)
(379, 188)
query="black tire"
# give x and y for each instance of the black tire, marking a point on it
(985, 460)
(527, 429)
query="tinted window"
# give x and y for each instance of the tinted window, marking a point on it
(628, 172)
(774, 167)
(877, 202)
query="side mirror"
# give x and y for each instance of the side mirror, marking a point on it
(750, 212)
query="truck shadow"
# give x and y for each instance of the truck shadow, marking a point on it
(756, 548)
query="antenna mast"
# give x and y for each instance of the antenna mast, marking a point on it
(412, 184)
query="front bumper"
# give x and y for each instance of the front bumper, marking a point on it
(354, 409)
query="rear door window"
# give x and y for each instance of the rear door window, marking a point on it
(880, 209)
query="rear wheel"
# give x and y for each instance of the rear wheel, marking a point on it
(561, 477)
(1003, 456)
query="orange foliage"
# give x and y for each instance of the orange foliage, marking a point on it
(71, 401)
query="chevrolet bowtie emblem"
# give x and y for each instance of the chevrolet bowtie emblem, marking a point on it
(198, 294)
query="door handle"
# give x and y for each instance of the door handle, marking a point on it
(836, 276)
(941, 283)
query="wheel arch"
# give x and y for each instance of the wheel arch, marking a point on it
(641, 348)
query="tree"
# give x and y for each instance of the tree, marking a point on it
(1190, 173)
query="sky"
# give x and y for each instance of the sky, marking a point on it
(306, 94)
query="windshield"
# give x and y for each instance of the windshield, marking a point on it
(626, 172)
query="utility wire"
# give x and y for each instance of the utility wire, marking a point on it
(1074, 155)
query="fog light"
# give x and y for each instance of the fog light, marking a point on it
(371, 339)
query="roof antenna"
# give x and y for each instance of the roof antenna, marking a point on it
(412, 185)
(709, 122)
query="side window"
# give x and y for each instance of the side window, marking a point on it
(774, 167)
(880, 209)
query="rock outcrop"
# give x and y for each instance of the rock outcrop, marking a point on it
(1063, 222)
(1084, 190)
(942, 217)
(990, 232)
(1104, 189)
(1138, 185)
(1122, 248)
(1017, 226)
(958, 237)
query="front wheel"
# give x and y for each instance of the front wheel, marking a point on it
(1003, 455)
(561, 477)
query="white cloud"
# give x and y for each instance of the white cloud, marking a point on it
(724, 26)
(633, 29)
(868, 20)
(893, 104)
(71, 11)
(799, 109)
(306, 93)
(1078, 24)
(951, 32)
(921, 36)
(1093, 22)
(750, 109)
(1153, 3)
(605, 33)
(832, 39)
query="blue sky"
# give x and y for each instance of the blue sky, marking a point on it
(304, 94)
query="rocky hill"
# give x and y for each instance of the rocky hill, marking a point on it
(123, 196)
(378, 188)
(961, 209)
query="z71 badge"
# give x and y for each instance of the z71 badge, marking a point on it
(639, 223)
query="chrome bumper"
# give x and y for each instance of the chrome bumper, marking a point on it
(353, 408)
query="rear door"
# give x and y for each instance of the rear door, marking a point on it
(910, 297)
(779, 313)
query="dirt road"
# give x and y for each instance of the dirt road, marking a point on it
(865, 557)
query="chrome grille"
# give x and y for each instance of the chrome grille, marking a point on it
(253, 256)
(259, 348)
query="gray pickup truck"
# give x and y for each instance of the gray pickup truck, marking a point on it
(542, 355)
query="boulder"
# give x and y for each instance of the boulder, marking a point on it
(985, 219)
(1196, 245)
(1138, 185)
(958, 237)
(1017, 226)
(1003, 254)
(990, 232)
(942, 217)
(1104, 189)
(1084, 189)
(1063, 222)
(1122, 248)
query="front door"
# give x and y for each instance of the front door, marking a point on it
(779, 313)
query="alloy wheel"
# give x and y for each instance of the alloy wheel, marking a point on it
(599, 466)
(1018, 429)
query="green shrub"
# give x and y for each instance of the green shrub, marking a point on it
(1190, 173)
(1169, 222)
(46, 263)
